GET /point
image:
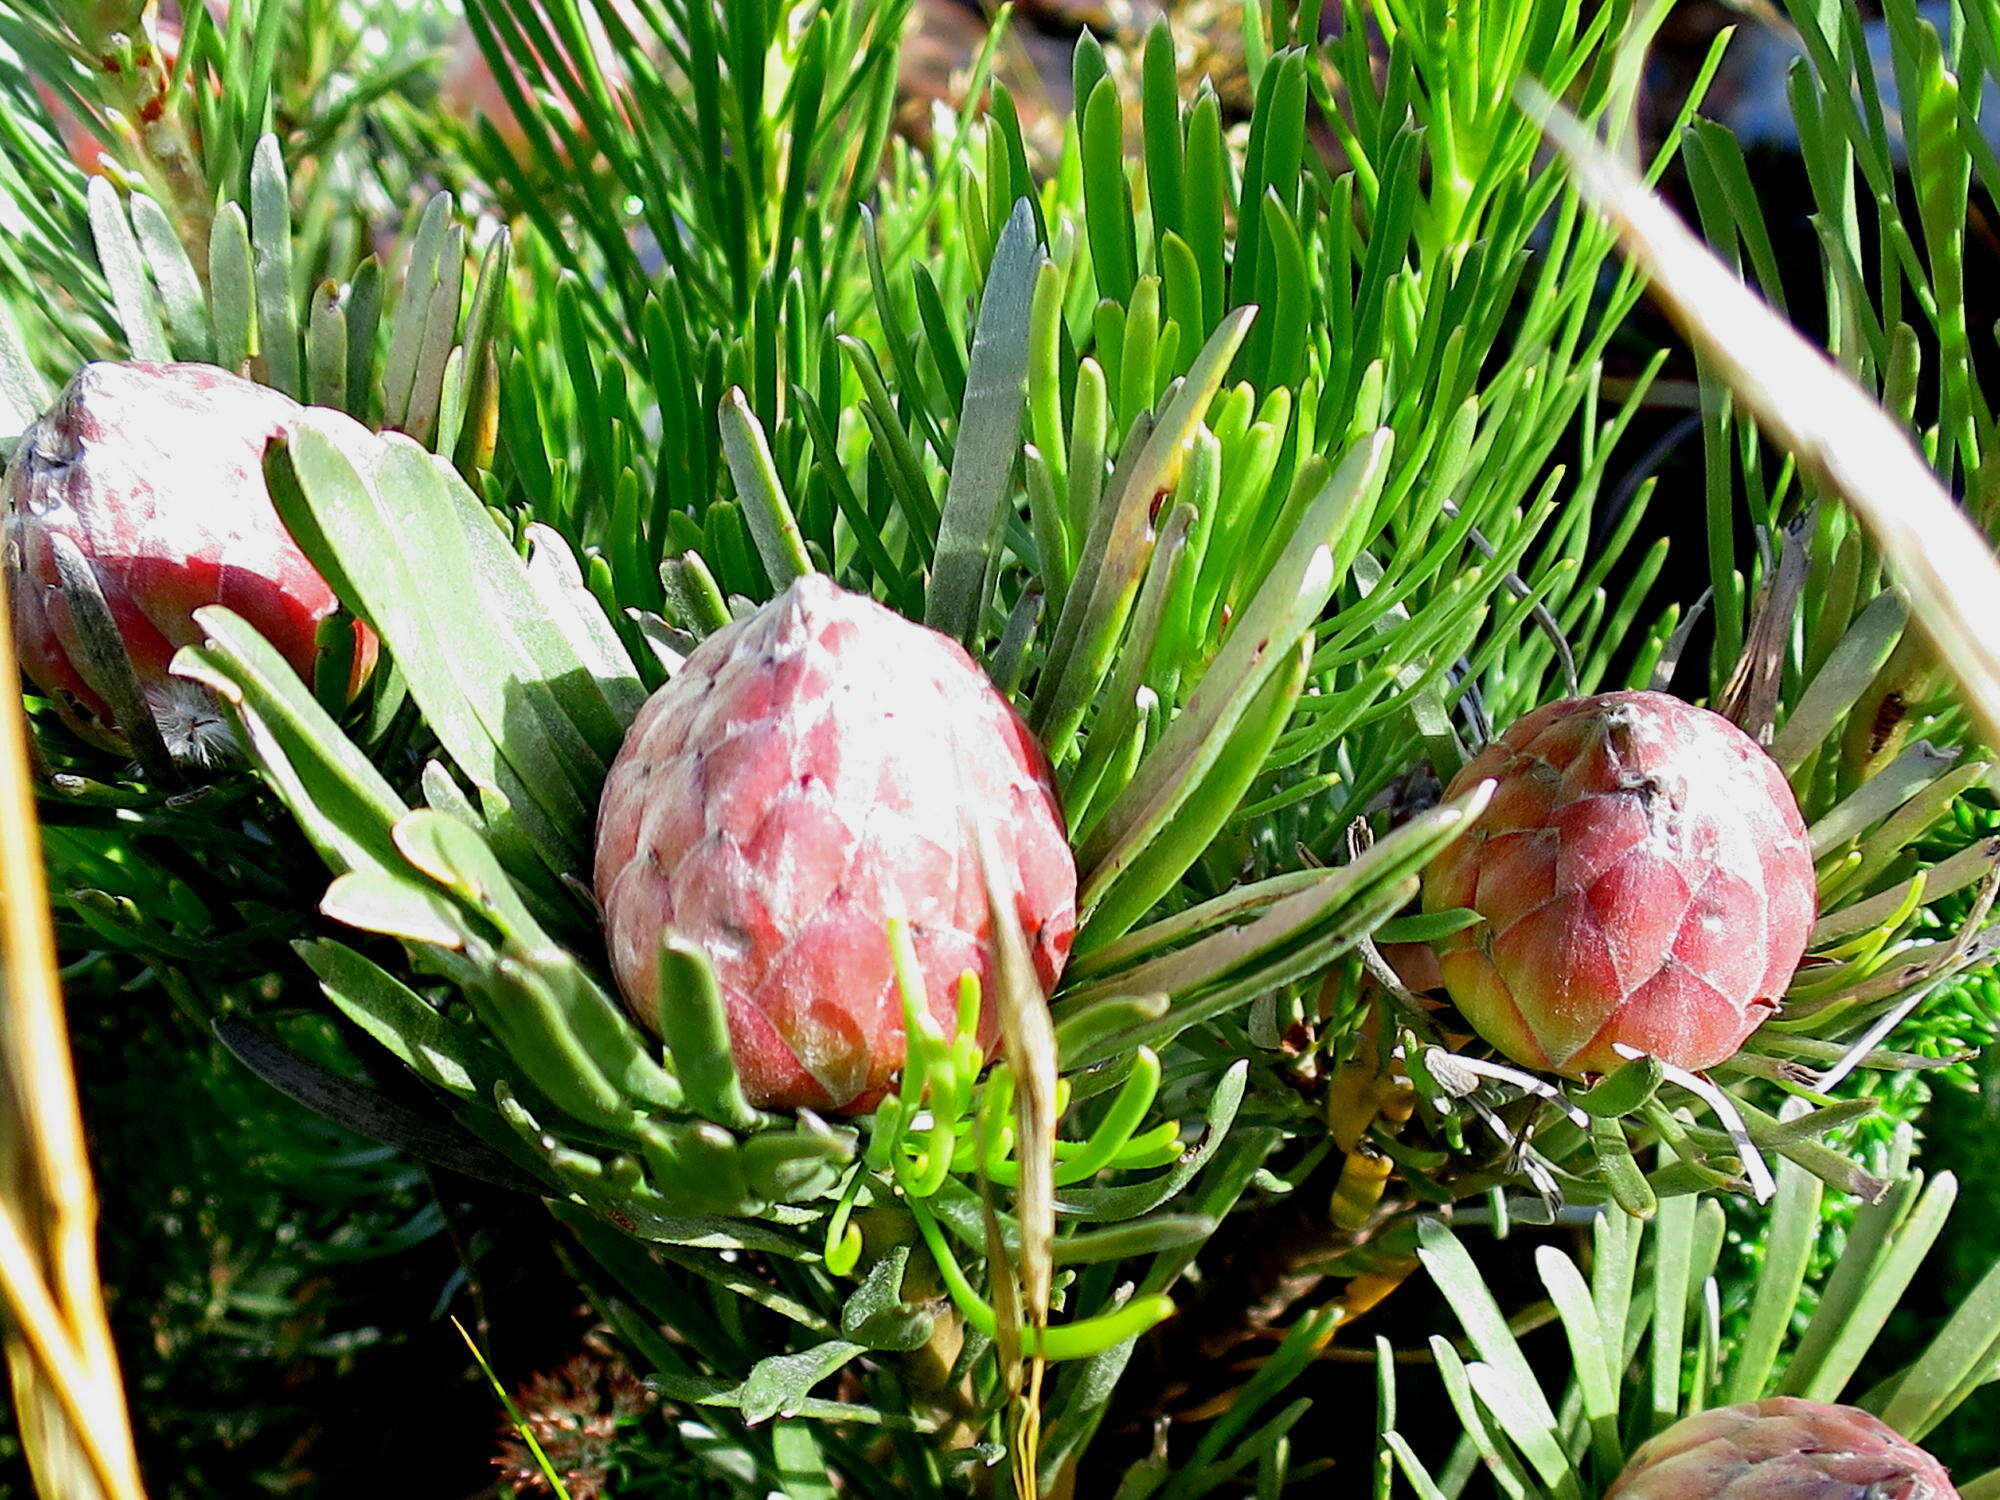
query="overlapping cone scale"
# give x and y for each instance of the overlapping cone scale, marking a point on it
(1644, 879)
(1782, 1448)
(812, 771)
(155, 473)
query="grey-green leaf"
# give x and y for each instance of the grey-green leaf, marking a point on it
(989, 436)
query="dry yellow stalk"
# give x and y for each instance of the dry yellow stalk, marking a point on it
(67, 1392)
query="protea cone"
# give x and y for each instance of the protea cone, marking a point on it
(1644, 878)
(1783, 1448)
(813, 770)
(155, 473)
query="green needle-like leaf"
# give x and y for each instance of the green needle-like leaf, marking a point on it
(760, 493)
(1257, 647)
(696, 1032)
(1187, 832)
(1114, 556)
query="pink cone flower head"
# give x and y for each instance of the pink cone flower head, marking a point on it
(813, 770)
(155, 473)
(1645, 880)
(1783, 1448)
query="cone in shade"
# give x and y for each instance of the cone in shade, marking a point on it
(1782, 1448)
(151, 477)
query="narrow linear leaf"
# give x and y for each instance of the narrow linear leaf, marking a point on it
(1293, 595)
(760, 492)
(125, 270)
(271, 245)
(989, 437)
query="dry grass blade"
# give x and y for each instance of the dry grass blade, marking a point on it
(1807, 405)
(1028, 1036)
(58, 1346)
(1751, 698)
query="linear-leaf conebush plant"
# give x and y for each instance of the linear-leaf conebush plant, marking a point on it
(1250, 490)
